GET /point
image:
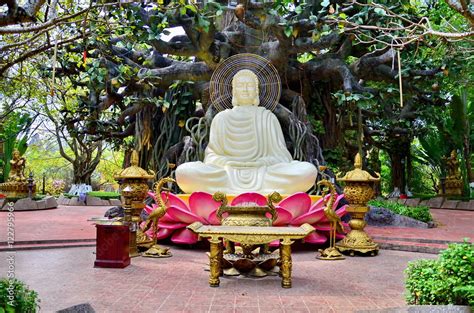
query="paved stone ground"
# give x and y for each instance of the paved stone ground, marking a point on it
(70, 222)
(453, 225)
(66, 277)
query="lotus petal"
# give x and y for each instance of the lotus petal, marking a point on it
(315, 238)
(249, 197)
(184, 236)
(202, 204)
(172, 225)
(298, 203)
(310, 218)
(184, 216)
(340, 212)
(275, 243)
(170, 200)
(164, 233)
(284, 217)
(212, 219)
(318, 204)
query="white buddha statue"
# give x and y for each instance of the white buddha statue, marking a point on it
(246, 150)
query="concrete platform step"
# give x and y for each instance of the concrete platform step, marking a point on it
(401, 245)
(47, 245)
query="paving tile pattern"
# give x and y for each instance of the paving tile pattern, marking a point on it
(66, 277)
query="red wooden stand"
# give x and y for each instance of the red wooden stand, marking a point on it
(112, 246)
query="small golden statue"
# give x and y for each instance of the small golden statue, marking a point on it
(156, 251)
(453, 183)
(17, 168)
(331, 253)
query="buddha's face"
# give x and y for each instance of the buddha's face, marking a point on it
(245, 88)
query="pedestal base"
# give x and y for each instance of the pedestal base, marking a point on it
(358, 241)
(112, 246)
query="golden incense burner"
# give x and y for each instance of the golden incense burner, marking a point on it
(134, 188)
(358, 191)
(255, 264)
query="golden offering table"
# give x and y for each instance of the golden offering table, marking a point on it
(250, 235)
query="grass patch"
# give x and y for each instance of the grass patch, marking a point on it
(420, 213)
(104, 195)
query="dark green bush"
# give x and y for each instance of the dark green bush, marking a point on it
(25, 300)
(447, 280)
(420, 213)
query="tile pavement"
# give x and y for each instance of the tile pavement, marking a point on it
(66, 277)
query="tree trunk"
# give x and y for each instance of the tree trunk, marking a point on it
(398, 171)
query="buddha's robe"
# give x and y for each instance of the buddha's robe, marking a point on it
(246, 152)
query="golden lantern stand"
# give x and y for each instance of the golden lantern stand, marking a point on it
(358, 191)
(134, 188)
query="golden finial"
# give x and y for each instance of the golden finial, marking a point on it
(134, 158)
(358, 174)
(358, 161)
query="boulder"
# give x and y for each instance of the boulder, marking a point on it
(412, 202)
(450, 204)
(436, 202)
(51, 202)
(115, 202)
(41, 204)
(25, 204)
(116, 211)
(75, 201)
(79, 308)
(384, 217)
(90, 200)
(61, 199)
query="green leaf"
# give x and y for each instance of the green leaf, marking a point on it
(380, 11)
(288, 31)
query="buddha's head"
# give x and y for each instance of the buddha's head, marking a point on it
(245, 89)
(16, 154)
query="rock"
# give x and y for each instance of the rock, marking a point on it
(436, 202)
(80, 308)
(402, 201)
(41, 204)
(412, 202)
(379, 216)
(384, 217)
(116, 211)
(51, 202)
(75, 201)
(61, 199)
(90, 200)
(424, 203)
(450, 204)
(2, 202)
(115, 202)
(25, 204)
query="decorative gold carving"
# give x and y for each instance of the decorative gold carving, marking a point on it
(248, 236)
(215, 263)
(17, 184)
(156, 251)
(285, 265)
(453, 184)
(331, 253)
(358, 191)
(134, 188)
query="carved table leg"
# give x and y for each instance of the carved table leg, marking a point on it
(215, 262)
(221, 258)
(285, 267)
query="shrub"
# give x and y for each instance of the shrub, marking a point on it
(447, 280)
(25, 300)
(104, 195)
(420, 213)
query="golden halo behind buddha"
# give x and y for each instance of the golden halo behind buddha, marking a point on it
(220, 87)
